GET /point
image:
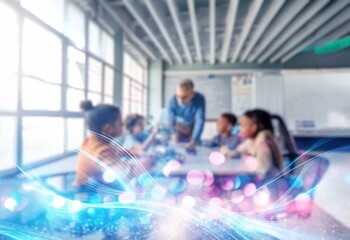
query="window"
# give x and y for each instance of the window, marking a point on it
(42, 137)
(109, 85)
(75, 133)
(42, 121)
(95, 81)
(9, 49)
(41, 68)
(134, 87)
(75, 79)
(94, 39)
(107, 48)
(75, 28)
(8, 136)
(51, 12)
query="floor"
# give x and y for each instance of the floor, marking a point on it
(330, 218)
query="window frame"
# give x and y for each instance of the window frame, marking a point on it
(63, 112)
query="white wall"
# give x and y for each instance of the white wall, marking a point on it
(323, 97)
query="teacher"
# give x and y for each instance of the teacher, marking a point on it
(186, 113)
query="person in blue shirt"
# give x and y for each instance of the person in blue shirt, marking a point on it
(186, 114)
(225, 138)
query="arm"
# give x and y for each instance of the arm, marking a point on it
(150, 138)
(199, 121)
(171, 112)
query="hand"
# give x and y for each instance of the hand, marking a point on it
(154, 130)
(191, 144)
(231, 154)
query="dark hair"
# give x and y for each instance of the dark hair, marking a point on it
(131, 120)
(261, 118)
(231, 118)
(98, 116)
(263, 121)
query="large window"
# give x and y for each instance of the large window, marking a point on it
(134, 87)
(47, 69)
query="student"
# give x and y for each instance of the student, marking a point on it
(225, 138)
(256, 128)
(136, 140)
(105, 123)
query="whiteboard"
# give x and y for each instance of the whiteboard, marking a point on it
(216, 90)
(321, 98)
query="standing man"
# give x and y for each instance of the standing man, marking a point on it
(186, 113)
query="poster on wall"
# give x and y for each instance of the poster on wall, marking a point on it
(242, 93)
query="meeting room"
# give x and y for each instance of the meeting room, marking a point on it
(175, 119)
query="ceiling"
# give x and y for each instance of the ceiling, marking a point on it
(227, 31)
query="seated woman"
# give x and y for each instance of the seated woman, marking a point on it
(105, 123)
(256, 128)
(136, 140)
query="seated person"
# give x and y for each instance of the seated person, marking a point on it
(225, 138)
(256, 128)
(105, 123)
(136, 140)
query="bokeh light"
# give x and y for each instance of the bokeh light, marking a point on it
(237, 196)
(58, 202)
(195, 177)
(227, 184)
(109, 176)
(127, 197)
(188, 202)
(249, 189)
(262, 197)
(250, 162)
(158, 193)
(10, 204)
(216, 158)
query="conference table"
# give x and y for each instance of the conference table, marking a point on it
(205, 160)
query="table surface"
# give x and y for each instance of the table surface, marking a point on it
(200, 161)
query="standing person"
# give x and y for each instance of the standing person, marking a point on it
(186, 113)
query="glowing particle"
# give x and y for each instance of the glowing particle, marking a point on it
(261, 198)
(188, 202)
(158, 193)
(177, 186)
(216, 158)
(249, 189)
(76, 206)
(237, 196)
(250, 162)
(208, 179)
(215, 202)
(10, 204)
(58, 202)
(127, 197)
(227, 184)
(195, 177)
(109, 176)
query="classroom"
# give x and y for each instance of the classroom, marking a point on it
(175, 119)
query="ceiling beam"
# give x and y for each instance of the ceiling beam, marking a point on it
(212, 35)
(280, 23)
(135, 12)
(194, 26)
(248, 23)
(159, 18)
(269, 15)
(174, 12)
(337, 22)
(311, 27)
(127, 30)
(305, 16)
(230, 24)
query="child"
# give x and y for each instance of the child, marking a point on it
(255, 126)
(225, 138)
(136, 140)
(105, 123)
